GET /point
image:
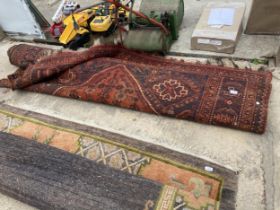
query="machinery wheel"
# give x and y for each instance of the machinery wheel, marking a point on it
(79, 41)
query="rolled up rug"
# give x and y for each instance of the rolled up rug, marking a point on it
(116, 76)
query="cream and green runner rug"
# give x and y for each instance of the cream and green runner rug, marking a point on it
(188, 187)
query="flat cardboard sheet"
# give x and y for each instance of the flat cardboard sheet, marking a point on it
(264, 17)
(278, 58)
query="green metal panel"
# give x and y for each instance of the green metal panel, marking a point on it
(175, 8)
(149, 39)
(145, 36)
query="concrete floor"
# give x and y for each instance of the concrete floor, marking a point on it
(255, 157)
(8, 203)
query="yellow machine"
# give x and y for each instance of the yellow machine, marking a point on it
(156, 24)
(104, 19)
(75, 24)
(99, 19)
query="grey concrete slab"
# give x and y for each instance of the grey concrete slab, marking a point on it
(48, 7)
(275, 144)
(8, 203)
(253, 156)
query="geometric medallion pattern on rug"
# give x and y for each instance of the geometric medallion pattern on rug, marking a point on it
(116, 76)
(185, 187)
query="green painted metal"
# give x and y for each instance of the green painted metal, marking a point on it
(175, 9)
(145, 36)
(148, 39)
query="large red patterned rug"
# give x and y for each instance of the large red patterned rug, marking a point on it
(120, 77)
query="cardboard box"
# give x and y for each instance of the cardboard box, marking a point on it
(278, 58)
(264, 17)
(221, 38)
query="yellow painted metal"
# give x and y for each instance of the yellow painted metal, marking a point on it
(101, 23)
(104, 19)
(70, 32)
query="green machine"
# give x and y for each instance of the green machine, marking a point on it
(145, 36)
